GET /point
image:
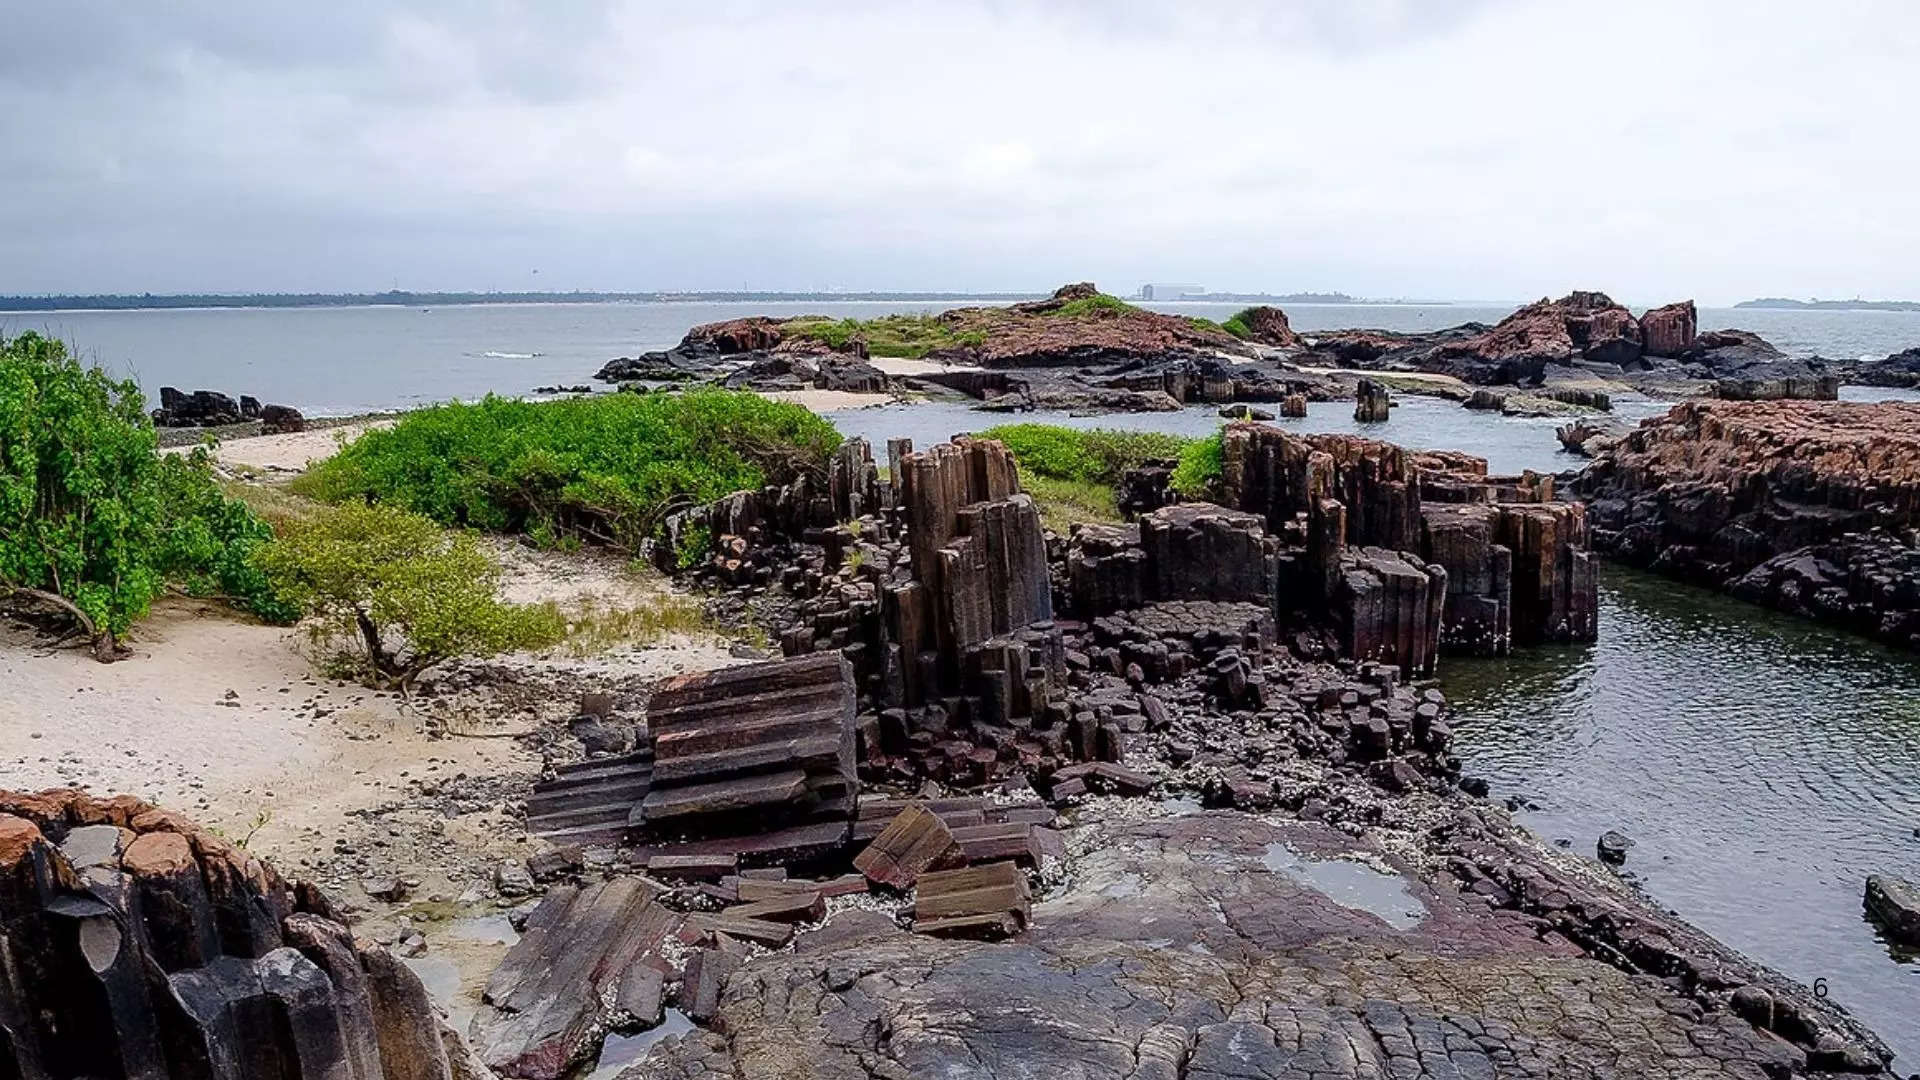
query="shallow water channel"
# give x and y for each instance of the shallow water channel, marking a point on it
(1763, 766)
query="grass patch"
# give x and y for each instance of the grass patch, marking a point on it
(599, 626)
(1099, 305)
(605, 468)
(908, 336)
(1065, 503)
(1238, 325)
(1089, 455)
(1202, 462)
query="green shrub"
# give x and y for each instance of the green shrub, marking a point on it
(1098, 305)
(406, 592)
(603, 468)
(1089, 455)
(79, 490)
(92, 518)
(209, 542)
(1237, 324)
(1202, 463)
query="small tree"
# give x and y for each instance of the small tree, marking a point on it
(408, 592)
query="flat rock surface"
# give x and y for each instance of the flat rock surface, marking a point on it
(1219, 945)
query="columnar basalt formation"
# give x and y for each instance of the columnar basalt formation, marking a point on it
(1806, 506)
(1669, 330)
(1514, 566)
(133, 944)
(1372, 402)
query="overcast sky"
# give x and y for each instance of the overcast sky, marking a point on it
(1416, 148)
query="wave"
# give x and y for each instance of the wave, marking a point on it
(491, 355)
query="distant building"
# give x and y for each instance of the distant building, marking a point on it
(1171, 292)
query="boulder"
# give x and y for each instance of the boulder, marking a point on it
(281, 420)
(171, 953)
(1613, 846)
(1268, 326)
(1669, 331)
(1894, 904)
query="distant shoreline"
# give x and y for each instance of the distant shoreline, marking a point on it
(33, 305)
(1780, 303)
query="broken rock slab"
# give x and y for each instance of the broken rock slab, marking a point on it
(914, 842)
(570, 978)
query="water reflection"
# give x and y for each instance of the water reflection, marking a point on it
(1764, 765)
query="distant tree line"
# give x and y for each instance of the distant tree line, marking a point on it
(399, 298)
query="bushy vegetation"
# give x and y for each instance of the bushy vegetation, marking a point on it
(210, 543)
(1066, 503)
(1098, 305)
(405, 592)
(1089, 455)
(1201, 465)
(1238, 325)
(92, 520)
(604, 468)
(1071, 472)
(909, 336)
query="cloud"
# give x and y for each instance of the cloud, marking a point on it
(1386, 147)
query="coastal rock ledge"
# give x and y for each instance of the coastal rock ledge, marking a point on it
(1808, 507)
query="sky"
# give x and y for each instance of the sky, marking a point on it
(1440, 149)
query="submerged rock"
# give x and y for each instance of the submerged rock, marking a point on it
(1613, 847)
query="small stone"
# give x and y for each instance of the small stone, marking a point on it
(391, 890)
(1613, 846)
(513, 880)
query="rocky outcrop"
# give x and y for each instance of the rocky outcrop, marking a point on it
(1581, 327)
(1372, 402)
(1902, 369)
(211, 408)
(1669, 331)
(1807, 506)
(1268, 326)
(1512, 567)
(133, 944)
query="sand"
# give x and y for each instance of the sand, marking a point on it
(226, 719)
(830, 400)
(286, 453)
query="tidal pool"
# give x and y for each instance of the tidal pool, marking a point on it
(1352, 885)
(1763, 765)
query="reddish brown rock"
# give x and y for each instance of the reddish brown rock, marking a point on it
(1669, 330)
(1268, 326)
(737, 335)
(915, 841)
(1807, 506)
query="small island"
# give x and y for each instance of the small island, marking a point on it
(1785, 304)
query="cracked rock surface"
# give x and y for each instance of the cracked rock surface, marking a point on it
(1183, 948)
